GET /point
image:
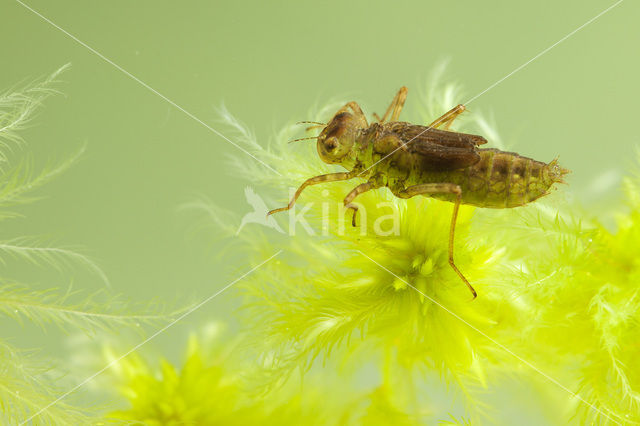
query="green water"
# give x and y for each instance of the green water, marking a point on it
(268, 62)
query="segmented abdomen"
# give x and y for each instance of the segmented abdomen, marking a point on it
(505, 179)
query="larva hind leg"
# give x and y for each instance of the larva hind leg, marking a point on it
(441, 188)
(447, 118)
(395, 107)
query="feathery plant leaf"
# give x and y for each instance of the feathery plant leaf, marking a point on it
(24, 389)
(589, 311)
(17, 108)
(57, 257)
(208, 390)
(52, 306)
(20, 180)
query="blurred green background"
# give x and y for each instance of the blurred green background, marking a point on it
(269, 62)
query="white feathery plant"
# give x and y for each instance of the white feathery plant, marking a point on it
(26, 385)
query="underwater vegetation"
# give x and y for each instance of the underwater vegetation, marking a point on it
(30, 382)
(557, 311)
(347, 325)
(209, 388)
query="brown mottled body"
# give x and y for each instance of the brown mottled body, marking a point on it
(415, 160)
(498, 179)
(504, 180)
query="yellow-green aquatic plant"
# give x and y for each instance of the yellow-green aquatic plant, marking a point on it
(557, 298)
(30, 382)
(584, 306)
(208, 389)
(371, 292)
(201, 392)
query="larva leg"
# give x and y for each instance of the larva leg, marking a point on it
(447, 118)
(395, 107)
(331, 177)
(442, 188)
(363, 187)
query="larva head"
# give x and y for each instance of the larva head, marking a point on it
(336, 141)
